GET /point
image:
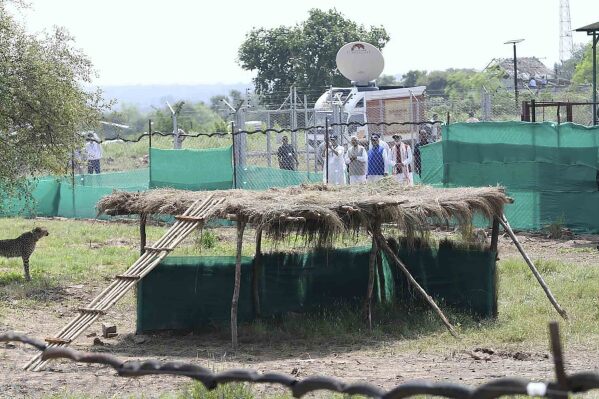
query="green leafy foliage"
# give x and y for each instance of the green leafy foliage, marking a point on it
(583, 72)
(304, 54)
(42, 102)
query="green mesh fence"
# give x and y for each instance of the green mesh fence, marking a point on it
(209, 169)
(58, 197)
(262, 178)
(43, 202)
(550, 170)
(431, 156)
(193, 292)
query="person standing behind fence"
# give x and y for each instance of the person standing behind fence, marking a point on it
(377, 160)
(335, 163)
(356, 158)
(287, 156)
(422, 140)
(401, 155)
(93, 151)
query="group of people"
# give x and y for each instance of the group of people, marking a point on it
(366, 161)
(368, 165)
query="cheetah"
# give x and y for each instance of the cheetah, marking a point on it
(22, 246)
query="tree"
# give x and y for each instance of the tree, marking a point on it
(565, 70)
(302, 55)
(42, 103)
(584, 69)
(387, 80)
(411, 78)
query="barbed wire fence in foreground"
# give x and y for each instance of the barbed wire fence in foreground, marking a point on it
(563, 385)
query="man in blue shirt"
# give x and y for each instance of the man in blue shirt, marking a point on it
(377, 159)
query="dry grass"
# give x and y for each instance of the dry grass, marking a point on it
(319, 213)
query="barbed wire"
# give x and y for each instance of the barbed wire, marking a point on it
(564, 384)
(264, 131)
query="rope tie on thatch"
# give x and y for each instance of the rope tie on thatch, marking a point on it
(57, 341)
(157, 249)
(127, 277)
(91, 311)
(185, 218)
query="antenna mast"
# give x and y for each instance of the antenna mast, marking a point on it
(566, 46)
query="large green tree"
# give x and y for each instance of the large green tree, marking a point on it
(42, 102)
(302, 55)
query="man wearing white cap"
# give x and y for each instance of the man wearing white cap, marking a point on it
(93, 151)
(356, 158)
(335, 163)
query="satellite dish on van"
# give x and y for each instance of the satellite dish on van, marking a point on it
(360, 62)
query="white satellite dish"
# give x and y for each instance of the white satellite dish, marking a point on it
(360, 62)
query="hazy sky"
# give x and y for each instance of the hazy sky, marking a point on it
(192, 41)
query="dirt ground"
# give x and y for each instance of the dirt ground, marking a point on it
(374, 363)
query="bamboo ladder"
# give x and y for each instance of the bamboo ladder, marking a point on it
(184, 224)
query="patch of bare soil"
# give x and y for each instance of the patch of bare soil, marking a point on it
(378, 363)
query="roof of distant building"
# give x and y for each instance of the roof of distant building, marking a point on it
(528, 67)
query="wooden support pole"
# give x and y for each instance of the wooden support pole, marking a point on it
(143, 218)
(257, 268)
(381, 273)
(385, 247)
(495, 236)
(371, 266)
(532, 267)
(234, 302)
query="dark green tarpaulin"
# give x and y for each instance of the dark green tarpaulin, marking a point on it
(194, 292)
(550, 170)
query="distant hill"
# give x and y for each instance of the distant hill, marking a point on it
(145, 96)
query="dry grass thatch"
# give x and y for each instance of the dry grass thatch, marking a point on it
(318, 213)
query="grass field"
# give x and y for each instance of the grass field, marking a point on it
(91, 252)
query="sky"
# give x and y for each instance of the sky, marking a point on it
(196, 42)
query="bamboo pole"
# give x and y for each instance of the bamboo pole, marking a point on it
(257, 267)
(381, 273)
(508, 229)
(385, 247)
(142, 233)
(495, 236)
(371, 265)
(234, 301)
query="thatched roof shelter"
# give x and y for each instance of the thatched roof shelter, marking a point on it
(320, 212)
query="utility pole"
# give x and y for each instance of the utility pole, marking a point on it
(514, 42)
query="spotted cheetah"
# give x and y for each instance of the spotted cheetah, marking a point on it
(22, 246)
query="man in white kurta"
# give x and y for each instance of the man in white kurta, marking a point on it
(335, 163)
(356, 159)
(401, 156)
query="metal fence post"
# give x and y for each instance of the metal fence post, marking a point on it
(235, 154)
(326, 149)
(150, 151)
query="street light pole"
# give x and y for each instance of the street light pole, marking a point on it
(514, 42)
